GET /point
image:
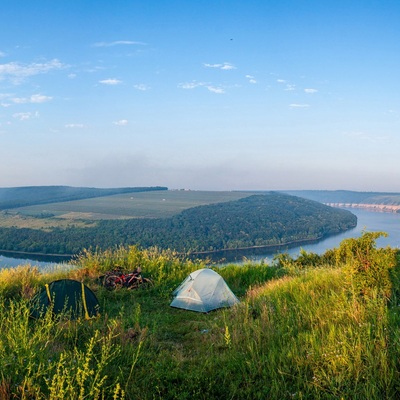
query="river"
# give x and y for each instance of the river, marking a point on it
(366, 221)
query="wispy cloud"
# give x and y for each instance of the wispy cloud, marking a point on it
(118, 43)
(251, 79)
(110, 81)
(121, 122)
(288, 86)
(191, 85)
(297, 105)
(17, 72)
(2, 54)
(311, 91)
(142, 87)
(74, 126)
(35, 98)
(225, 66)
(23, 116)
(195, 84)
(214, 89)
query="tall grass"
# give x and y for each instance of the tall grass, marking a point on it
(54, 358)
(322, 327)
(307, 337)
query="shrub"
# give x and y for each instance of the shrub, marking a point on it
(367, 267)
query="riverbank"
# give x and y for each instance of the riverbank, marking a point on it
(366, 221)
(369, 207)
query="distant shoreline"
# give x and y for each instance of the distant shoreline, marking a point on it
(368, 206)
(269, 246)
(30, 253)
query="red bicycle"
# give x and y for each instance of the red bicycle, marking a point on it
(131, 280)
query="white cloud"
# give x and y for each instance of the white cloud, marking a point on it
(141, 87)
(311, 91)
(296, 105)
(35, 98)
(195, 84)
(225, 66)
(281, 81)
(2, 54)
(121, 122)
(73, 126)
(191, 85)
(289, 87)
(118, 42)
(251, 79)
(71, 76)
(17, 72)
(214, 89)
(23, 116)
(110, 81)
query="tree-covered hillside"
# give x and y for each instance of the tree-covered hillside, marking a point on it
(31, 195)
(258, 220)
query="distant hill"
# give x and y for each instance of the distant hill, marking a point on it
(346, 196)
(271, 219)
(32, 195)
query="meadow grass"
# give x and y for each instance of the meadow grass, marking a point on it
(300, 331)
(152, 204)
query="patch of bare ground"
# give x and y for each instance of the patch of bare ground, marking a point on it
(10, 220)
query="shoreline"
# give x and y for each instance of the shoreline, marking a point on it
(292, 243)
(388, 208)
(267, 246)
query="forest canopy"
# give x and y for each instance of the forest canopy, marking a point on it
(267, 219)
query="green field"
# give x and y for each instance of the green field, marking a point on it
(157, 204)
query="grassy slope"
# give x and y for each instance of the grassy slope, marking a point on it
(155, 204)
(28, 195)
(299, 332)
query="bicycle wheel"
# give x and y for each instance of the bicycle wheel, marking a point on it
(147, 283)
(140, 283)
(111, 281)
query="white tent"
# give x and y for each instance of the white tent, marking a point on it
(203, 290)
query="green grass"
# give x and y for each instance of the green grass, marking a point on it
(158, 204)
(299, 332)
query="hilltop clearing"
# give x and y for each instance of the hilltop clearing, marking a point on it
(145, 204)
(29, 195)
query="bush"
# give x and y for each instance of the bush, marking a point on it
(366, 267)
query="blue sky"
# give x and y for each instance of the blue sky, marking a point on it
(207, 95)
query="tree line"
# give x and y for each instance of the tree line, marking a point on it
(259, 220)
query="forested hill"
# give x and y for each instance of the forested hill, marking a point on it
(347, 197)
(259, 220)
(31, 195)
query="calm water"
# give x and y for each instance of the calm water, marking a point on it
(11, 260)
(367, 221)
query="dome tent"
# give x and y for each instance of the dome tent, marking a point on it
(66, 295)
(203, 290)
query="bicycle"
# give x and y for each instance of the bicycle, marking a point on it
(131, 280)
